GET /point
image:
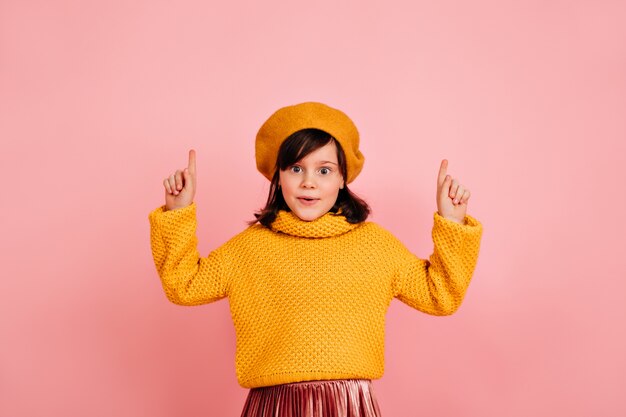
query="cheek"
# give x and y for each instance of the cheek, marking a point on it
(332, 189)
(286, 188)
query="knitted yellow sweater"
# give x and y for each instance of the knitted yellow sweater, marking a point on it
(308, 299)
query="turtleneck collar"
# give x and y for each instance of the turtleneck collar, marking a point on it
(330, 224)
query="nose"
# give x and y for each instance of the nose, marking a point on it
(308, 181)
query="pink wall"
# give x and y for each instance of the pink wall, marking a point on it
(99, 101)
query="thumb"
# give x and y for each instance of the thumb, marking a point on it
(188, 179)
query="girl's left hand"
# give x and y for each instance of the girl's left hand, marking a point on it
(452, 197)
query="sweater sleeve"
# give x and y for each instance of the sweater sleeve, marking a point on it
(438, 285)
(187, 278)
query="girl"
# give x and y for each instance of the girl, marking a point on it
(310, 280)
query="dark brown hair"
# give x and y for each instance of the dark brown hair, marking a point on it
(294, 148)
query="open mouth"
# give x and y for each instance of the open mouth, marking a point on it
(306, 200)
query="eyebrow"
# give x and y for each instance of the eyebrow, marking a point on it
(327, 162)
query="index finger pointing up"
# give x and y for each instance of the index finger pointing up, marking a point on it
(443, 170)
(192, 162)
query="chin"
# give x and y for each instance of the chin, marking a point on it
(307, 217)
(309, 214)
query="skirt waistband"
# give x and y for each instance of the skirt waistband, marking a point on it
(324, 398)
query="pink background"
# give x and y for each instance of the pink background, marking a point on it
(99, 101)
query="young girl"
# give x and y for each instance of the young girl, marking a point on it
(310, 280)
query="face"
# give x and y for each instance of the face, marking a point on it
(316, 177)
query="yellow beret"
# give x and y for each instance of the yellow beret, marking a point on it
(290, 119)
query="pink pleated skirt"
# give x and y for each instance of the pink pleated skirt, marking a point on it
(332, 398)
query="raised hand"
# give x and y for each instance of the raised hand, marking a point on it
(452, 197)
(180, 187)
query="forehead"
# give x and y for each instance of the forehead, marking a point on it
(327, 153)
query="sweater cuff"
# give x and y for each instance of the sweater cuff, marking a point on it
(171, 225)
(161, 214)
(472, 226)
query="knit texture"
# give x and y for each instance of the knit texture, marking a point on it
(308, 299)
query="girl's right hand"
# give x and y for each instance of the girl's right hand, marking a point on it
(180, 187)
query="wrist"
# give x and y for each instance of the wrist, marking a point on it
(462, 222)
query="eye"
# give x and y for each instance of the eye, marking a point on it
(295, 167)
(325, 171)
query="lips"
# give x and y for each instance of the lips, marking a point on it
(307, 201)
